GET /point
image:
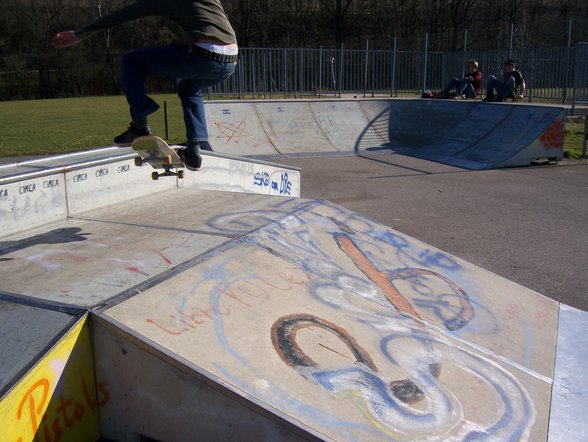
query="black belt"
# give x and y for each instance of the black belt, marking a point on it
(222, 58)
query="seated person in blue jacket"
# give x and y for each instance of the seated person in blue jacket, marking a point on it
(511, 86)
(466, 87)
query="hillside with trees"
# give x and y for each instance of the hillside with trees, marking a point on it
(26, 28)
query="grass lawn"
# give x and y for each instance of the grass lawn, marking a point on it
(40, 127)
(573, 138)
(47, 127)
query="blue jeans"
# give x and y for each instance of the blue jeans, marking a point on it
(191, 72)
(503, 89)
(462, 87)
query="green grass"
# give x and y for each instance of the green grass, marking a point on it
(47, 127)
(41, 127)
(573, 138)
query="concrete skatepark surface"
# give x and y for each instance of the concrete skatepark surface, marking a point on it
(228, 306)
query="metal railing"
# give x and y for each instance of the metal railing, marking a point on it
(558, 74)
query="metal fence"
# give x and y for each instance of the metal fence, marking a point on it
(558, 74)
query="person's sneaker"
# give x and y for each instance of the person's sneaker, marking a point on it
(190, 156)
(126, 138)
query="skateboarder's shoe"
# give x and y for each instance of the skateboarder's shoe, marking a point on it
(190, 155)
(126, 138)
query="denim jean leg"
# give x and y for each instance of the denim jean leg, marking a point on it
(135, 65)
(508, 87)
(193, 108)
(462, 86)
(469, 91)
(453, 83)
(490, 85)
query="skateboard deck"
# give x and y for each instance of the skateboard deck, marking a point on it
(159, 155)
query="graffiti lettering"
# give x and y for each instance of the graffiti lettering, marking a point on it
(285, 185)
(243, 295)
(80, 177)
(261, 179)
(185, 321)
(27, 188)
(50, 184)
(66, 412)
(3, 193)
(101, 172)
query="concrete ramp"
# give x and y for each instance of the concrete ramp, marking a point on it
(295, 128)
(468, 134)
(292, 128)
(326, 325)
(476, 135)
(252, 317)
(235, 128)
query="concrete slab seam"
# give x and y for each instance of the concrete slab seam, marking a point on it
(31, 301)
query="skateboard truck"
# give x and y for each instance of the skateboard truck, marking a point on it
(158, 154)
(167, 166)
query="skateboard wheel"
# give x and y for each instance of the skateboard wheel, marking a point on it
(167, 160)
(154, 176)
(138, 161)
(180, 174)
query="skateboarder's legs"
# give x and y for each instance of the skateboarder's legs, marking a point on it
(192, 73)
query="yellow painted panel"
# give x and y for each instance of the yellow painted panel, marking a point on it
(57, 400)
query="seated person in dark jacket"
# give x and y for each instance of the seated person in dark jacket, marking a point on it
(466, 87)
(512, 86)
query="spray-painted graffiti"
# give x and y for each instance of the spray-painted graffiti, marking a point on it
(280, 186)
(66, 412)
(371, 391)
(234, 132)
(58, 398)
(432, 295)
(553, 137)
(357, 331)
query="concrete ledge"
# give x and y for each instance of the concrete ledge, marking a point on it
(38, 192)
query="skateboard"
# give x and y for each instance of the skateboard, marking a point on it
(157, 153)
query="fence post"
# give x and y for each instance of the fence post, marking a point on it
(585, 137)
(365, 79)
(341, 66)
(393, 88)
(511, 39)
(332, 61)
(568, 66)
(426, 61)
(320, 72)
(165, 120)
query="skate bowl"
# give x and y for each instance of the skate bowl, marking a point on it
(227, 306)
(472, 135)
